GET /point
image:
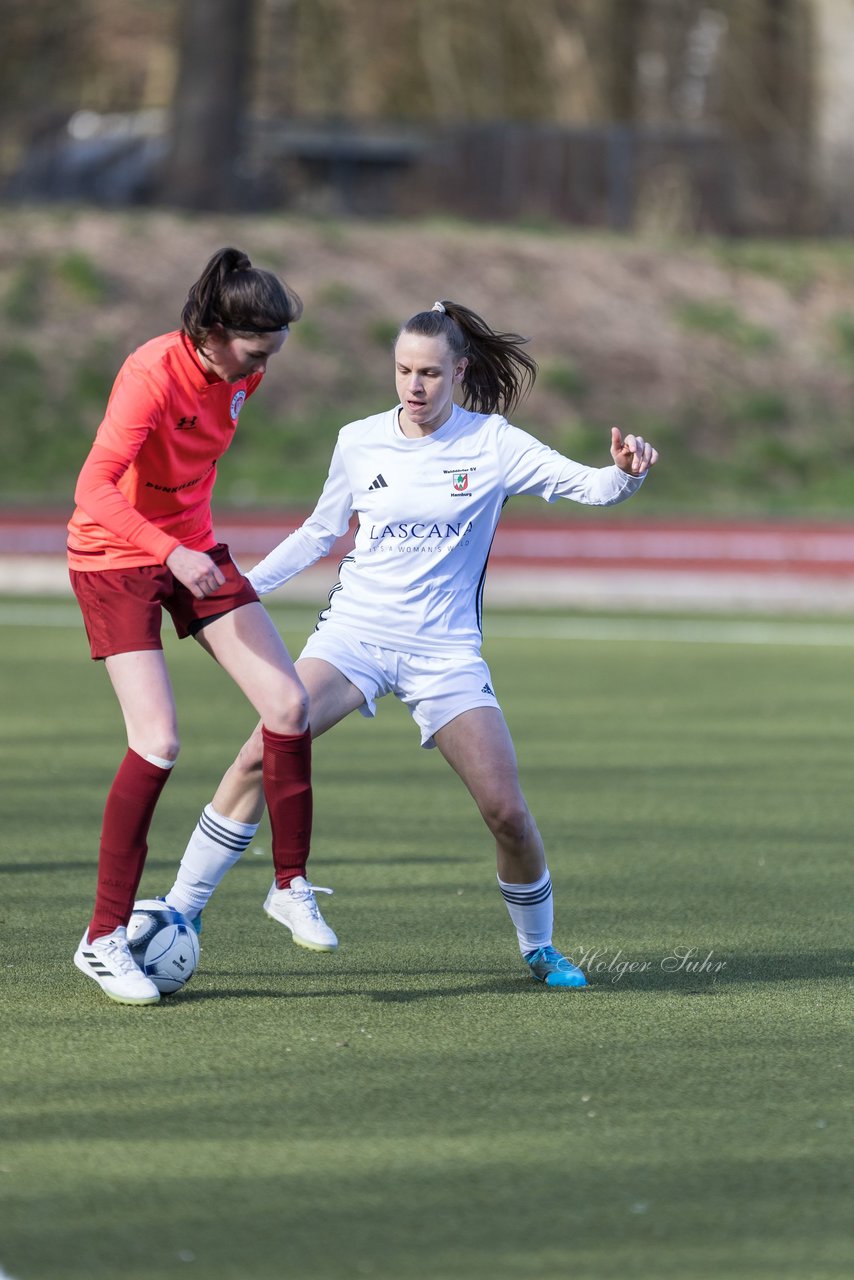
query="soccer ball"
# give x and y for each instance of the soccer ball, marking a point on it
(163, 943)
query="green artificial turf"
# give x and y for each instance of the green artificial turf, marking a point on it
(414, 1106)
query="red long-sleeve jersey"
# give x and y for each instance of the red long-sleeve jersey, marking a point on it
(146, 485)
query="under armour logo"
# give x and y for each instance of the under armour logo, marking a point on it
(379, 483)
(185, 424)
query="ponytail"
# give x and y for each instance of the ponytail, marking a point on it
(232, 294)
(499, 373)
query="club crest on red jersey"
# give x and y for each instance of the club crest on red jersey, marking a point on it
(237, 404)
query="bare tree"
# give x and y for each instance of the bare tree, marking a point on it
(201, 170)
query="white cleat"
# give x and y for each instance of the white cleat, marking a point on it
(297, 909)
(108, 960)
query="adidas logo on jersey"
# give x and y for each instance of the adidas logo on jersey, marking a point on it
(486, 689)
(379, 483)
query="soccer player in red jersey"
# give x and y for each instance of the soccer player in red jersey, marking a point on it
(141, 540)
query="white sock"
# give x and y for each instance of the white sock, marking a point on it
(531, 908)
(215, 845)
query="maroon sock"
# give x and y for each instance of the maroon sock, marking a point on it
(127, 816)
(287, 790)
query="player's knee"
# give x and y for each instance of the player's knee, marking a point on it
(160, 747)
(250, 757)
(509, 819)
(290, 713)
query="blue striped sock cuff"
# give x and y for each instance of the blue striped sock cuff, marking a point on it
(527, 895)
(234, 836)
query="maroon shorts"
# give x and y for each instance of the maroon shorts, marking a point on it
(122, 608)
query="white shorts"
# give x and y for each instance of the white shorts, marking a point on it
(436, 689)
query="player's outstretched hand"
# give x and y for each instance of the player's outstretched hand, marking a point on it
(196, 570)
(634, 454)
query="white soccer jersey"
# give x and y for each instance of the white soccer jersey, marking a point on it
(428, 509)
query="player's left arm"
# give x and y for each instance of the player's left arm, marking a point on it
(529, 466)
(634, 455)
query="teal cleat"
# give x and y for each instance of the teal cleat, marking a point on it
(549, 966)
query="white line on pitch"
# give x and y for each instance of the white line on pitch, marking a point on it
(531, 627)
(678, 631)
(40, 615)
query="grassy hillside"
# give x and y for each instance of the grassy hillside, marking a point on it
(737, 359)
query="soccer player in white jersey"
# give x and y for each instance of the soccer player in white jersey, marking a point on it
(428, 480)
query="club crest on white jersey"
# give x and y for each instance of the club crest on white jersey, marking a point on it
(461, 481)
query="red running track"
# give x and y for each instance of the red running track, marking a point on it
(803, 548)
